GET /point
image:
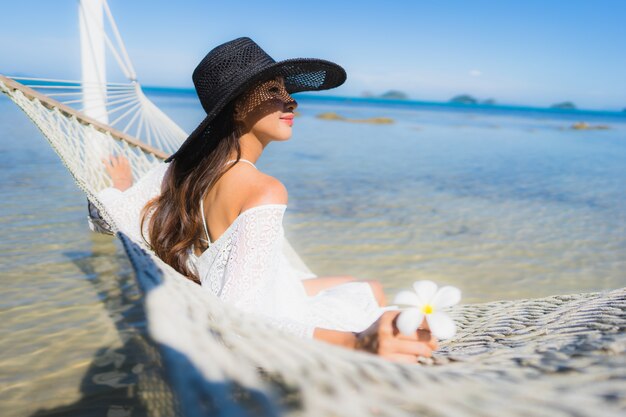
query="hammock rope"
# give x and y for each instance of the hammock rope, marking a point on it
(553, 356)
(124, 103)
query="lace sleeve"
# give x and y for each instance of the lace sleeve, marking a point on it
(250, 279)
(295, 263)
(125, 206)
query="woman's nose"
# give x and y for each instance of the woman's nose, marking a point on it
(291, 105)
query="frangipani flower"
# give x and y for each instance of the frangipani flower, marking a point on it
(427, 302)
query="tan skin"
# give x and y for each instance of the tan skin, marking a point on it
(243, 187)
(119, 170)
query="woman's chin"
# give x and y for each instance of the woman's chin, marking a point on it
(283, 135)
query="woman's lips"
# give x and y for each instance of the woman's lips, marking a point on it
(288, 120)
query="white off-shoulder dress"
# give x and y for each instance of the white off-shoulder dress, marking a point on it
(253, 267)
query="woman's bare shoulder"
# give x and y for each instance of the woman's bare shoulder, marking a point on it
(254, 188)
(265, 189)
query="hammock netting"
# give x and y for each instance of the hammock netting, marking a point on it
(562, 355)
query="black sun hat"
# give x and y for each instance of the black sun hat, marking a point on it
(233, 67)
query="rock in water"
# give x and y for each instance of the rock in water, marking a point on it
(372, 120)
(585, 126)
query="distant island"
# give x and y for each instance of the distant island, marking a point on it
(395, 95)
(390, 95)
(467, 99)
(464, 99)
(567, 105)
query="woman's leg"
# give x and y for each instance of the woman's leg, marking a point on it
(379, 293)
(314, 285)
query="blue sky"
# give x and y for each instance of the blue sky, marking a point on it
(525, 52)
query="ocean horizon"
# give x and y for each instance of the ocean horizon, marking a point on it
(409, 102)
(446, 105)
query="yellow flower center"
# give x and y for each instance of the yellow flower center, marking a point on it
(427, 309)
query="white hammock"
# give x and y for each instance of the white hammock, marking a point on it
(554, 356)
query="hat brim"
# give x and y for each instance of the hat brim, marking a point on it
(300, 74)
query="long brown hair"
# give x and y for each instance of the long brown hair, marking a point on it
(174, 221)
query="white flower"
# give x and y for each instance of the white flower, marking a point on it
(427, 302)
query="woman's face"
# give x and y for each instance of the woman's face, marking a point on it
(266, 111)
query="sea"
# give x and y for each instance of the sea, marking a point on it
(502, 202)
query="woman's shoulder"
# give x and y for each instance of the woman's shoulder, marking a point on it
(264, 190)
(254, 188)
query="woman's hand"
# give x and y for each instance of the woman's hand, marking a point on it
(383, 338)
(118, 168)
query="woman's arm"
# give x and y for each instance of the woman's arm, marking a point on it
(384, 339)
(336, 337)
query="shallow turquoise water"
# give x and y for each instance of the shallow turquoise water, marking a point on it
(502, 204)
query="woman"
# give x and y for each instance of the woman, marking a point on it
(217, 219)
